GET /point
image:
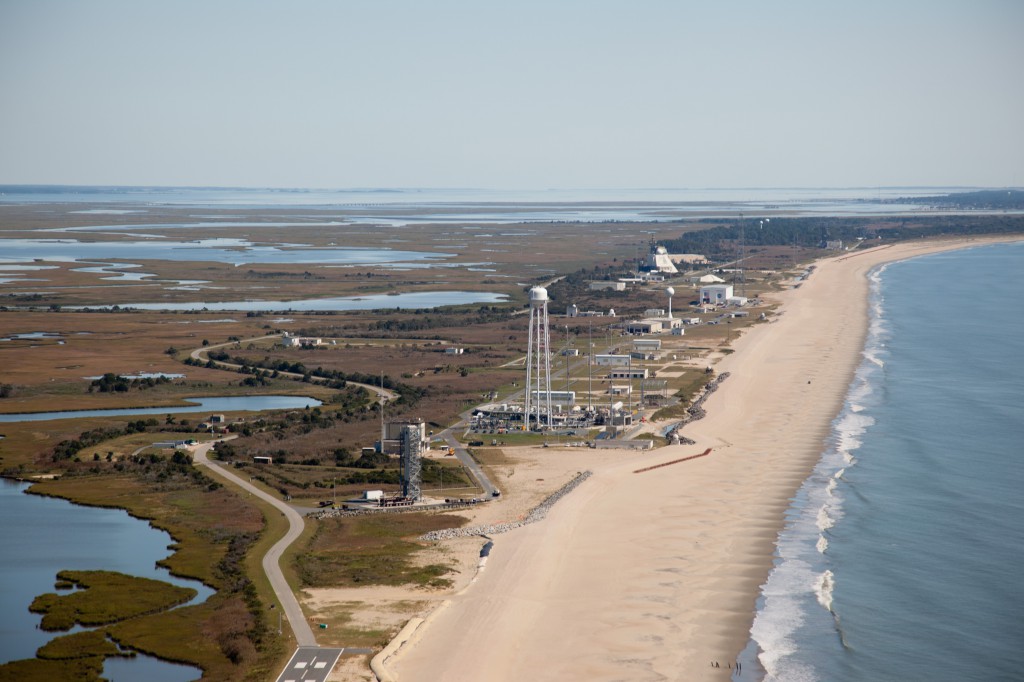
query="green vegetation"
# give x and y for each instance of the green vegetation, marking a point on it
(112, 383)
(79, 645)
(105, 597)
(720, 241)
(372, 550)
(86, 669)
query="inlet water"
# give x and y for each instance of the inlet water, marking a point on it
(247, 403)
(42, 536)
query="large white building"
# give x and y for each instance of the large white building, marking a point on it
(659, 261)
(715, 294)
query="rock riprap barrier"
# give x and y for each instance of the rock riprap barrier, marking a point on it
(696, 411)
(534, 515)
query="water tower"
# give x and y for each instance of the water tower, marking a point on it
(538, 361)
(671, 292)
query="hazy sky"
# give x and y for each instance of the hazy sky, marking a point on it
(517, 94)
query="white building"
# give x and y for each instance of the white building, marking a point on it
(611, 360)
(558, 397)
(454, 351)
(627, 373)
(707, 279)
(715, 293)
(391, 443)
(302, 341)
(646, 344)
(645, 327)
(613, 285)
(658, 260)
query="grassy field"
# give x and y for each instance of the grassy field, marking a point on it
(371, 550)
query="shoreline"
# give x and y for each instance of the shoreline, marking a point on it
(645, 576)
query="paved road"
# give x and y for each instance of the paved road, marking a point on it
(467, 460)
(272, 561)
(310, 664)
(200, 354)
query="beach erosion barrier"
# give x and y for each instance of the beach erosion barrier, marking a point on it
(534, 515)
(696, 411)
(674, 461)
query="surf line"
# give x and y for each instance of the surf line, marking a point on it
(675, 461)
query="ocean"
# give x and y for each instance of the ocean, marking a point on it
(901, 555)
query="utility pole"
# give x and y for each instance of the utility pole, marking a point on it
(567, 362)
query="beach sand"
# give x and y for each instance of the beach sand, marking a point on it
(654, 575)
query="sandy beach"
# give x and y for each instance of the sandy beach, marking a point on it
(654, 575)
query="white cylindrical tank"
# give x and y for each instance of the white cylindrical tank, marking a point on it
(538, 297)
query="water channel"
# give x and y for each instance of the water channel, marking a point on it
(250, 403)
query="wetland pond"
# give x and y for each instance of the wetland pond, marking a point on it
(45, 535)
(410, 301)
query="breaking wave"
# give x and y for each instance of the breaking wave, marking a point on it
(797, 598)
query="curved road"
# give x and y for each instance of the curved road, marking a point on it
(272, 560)
(199, 354)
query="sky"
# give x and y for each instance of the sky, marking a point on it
(530, 94)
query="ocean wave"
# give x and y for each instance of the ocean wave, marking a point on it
(803, 581)
(774, 633)
(824, 521)
(823, 589)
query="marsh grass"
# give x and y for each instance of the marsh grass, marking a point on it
(106, 597)
(79, 645)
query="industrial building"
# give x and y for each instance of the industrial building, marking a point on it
(559, 397)
(628, 373)
(715, 294)
(658, 260)
(392, 434)
(646, 344)
(302, 341)
(612, 285)
(707, 279)
(611, 360)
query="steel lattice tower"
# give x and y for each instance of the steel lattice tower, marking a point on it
(411, 463)
(538, 361)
